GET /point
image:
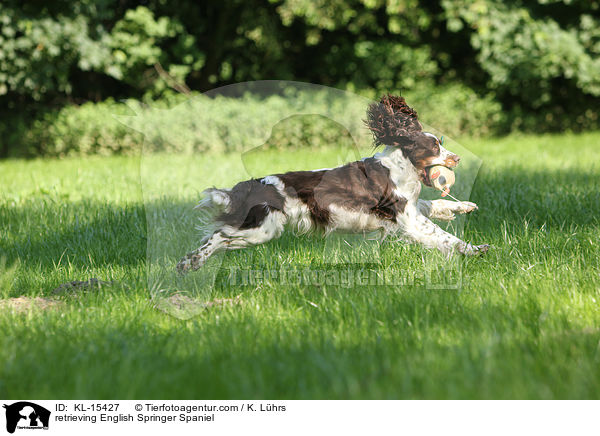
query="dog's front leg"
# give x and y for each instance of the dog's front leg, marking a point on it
(418, 228)
(444, 210)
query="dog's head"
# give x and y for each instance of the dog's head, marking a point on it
(395, 124)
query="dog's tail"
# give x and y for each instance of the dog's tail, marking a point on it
(215, 204)
(217, 199)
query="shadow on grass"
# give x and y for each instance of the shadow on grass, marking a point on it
(45, 233)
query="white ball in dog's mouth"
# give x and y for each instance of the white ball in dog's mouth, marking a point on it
(441, 178)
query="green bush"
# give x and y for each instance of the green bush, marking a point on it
(540, 58)
(88, 129)
(198, 123)
(457, 110)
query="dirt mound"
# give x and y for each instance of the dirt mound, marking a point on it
(25, 304)
(185, 307)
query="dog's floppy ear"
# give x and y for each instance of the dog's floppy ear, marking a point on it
(392, 121)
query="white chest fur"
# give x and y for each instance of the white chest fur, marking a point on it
(402, 173)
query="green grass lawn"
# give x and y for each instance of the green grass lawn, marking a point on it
(525, 324)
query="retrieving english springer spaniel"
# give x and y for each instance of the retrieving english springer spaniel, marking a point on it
(375, 193)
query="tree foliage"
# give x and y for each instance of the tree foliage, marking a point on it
(538, 58)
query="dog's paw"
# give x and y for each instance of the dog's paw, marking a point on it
(184, 265)
(476, 250)
(467, 207)
(191, 262)
(481, 249)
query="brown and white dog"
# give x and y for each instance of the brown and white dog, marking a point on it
(379, 193)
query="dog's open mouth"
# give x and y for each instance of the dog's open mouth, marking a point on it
(424, 176)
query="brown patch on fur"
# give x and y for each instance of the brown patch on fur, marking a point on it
(359, 186)
(302, 185)
(251, 202)
(421, 151)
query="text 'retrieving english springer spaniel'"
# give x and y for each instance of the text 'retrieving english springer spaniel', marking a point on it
(377, 193)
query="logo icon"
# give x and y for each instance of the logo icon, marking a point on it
(26, 415)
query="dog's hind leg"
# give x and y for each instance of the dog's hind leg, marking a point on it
(195, 259)
(231, 238)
